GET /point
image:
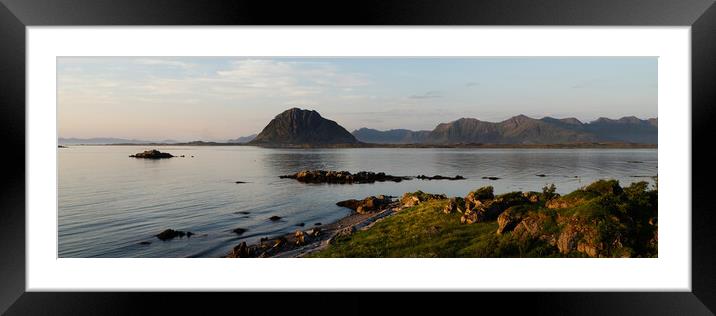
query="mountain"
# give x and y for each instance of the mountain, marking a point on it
(303, 127)
(525, 130)
(626, 129)
(516, 130)
(106, 141)
(393, 136)
(242, 139)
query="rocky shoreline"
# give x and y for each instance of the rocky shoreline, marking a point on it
(600, 220)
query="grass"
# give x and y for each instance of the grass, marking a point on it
(420, 231)
(617, 217)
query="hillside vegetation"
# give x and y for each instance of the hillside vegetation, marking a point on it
(600, 220)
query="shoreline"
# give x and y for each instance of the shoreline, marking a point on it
(600, 145)
(344, 226)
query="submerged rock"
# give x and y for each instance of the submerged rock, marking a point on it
(169, 234)
(274, 218)
(341, 177)
(239, 231)
(439, 177)
(152, 154)
(491, 178)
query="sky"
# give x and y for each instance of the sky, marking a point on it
(221, 98)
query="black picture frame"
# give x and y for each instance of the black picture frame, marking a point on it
(16, 15)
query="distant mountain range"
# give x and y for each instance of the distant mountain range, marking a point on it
(393, 136)
(108, 141)
(298, 127)
(243, 139)
(521, 130)
(302, 127)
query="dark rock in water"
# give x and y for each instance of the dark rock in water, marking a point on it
(152, 154)
(341, 177)
(491, 178)
(60, 146)
(301, 224)
(240, 182)
(242, 212)
(368, 205)
(182, 156)
(541, 175)
(275, 218)
(239, 231)
(439, 177)
(635, 161)
(145, 243)
(317, 224)
(171, 234)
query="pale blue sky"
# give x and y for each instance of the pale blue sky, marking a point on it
(218, 98)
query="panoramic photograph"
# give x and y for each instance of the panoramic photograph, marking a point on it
(357, 157)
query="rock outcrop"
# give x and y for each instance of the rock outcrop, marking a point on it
(342, 177)
(370, 204)
(411, 199)
(152, 154)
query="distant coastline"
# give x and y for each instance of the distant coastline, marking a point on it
(594, 145)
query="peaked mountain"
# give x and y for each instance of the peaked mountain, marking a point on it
(243, 139)
(393, 136)
(302, 127)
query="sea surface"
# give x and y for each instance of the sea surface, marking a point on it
(109, 203)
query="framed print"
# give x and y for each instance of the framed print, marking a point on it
(462, 147)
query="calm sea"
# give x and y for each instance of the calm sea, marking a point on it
(109, 203)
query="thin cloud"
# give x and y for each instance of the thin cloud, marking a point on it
(427, 95)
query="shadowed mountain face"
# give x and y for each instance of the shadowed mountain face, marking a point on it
(302, 127)
(393, 136)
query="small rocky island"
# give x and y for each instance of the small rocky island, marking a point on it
(342, 177)
(152, 154)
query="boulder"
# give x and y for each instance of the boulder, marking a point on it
(532, 196)
(508, 220)
(300, 238)
(370, 204)
(411, 199)
(242, 251)
(455, 204)
(481, 194)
